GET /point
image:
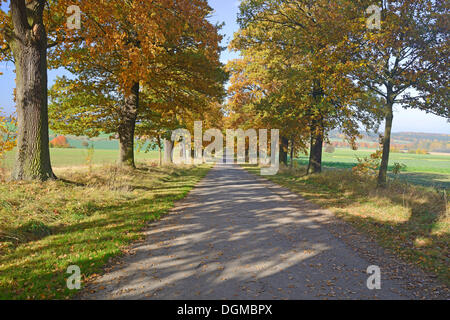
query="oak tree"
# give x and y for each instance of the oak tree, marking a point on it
(23, 39)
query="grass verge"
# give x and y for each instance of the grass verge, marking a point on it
(412, 221)
(84, 219)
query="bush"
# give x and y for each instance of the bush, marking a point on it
(418, 151)
(368, 166)
(330, 149)
(421, 151)
(7, 140)
(398, 168)
(59, 142)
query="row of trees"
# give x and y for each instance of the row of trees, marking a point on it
(313, 66)
(137, 67)
(143, 68)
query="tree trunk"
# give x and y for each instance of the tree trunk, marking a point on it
(29, 47)
(160, 150)
(127, 127)
(316, 149)
(382, 176)
(317, 134)
(292, 152)
(284, 147)
(168, 152)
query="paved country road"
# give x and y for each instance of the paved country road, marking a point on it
(237, 236)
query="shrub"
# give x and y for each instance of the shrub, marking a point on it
(368, 166)
(418, 151)
(330, 149)
(421, 151)
(7, 139)
(398, 168)
(89, 155)
(59, 142)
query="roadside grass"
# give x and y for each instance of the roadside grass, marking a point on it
(83, 219)
(412, 221)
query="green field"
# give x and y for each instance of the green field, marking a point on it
(77, 157)
(428, 170)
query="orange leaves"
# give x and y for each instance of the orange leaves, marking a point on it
(137, 39)
(295, 67)
(168, 47)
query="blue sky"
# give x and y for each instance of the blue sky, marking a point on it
(226, 11)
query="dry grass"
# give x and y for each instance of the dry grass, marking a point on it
(411, 220)
(85, 218)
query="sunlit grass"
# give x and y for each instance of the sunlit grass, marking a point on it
(83, 219)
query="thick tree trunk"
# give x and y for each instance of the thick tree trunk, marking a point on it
(168, 152)
(316, 148)
(382, 175)
(127, 127)
(29, 47)
(284, 147)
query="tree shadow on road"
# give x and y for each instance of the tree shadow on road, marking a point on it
(410, 220)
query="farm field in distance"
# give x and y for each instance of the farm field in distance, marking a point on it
(427, 170)
(77, 157)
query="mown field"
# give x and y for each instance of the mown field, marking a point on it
(78, 157)
(427, 170)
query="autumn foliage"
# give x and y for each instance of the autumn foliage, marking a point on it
(7, 135)
(139, 69)
(7, 139)
(309, 67)
(59, 142)
(152, 63)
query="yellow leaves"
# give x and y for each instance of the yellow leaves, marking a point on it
(168, 47)
(134, 38)
(367, 167)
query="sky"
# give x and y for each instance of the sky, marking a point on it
(226, 11)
